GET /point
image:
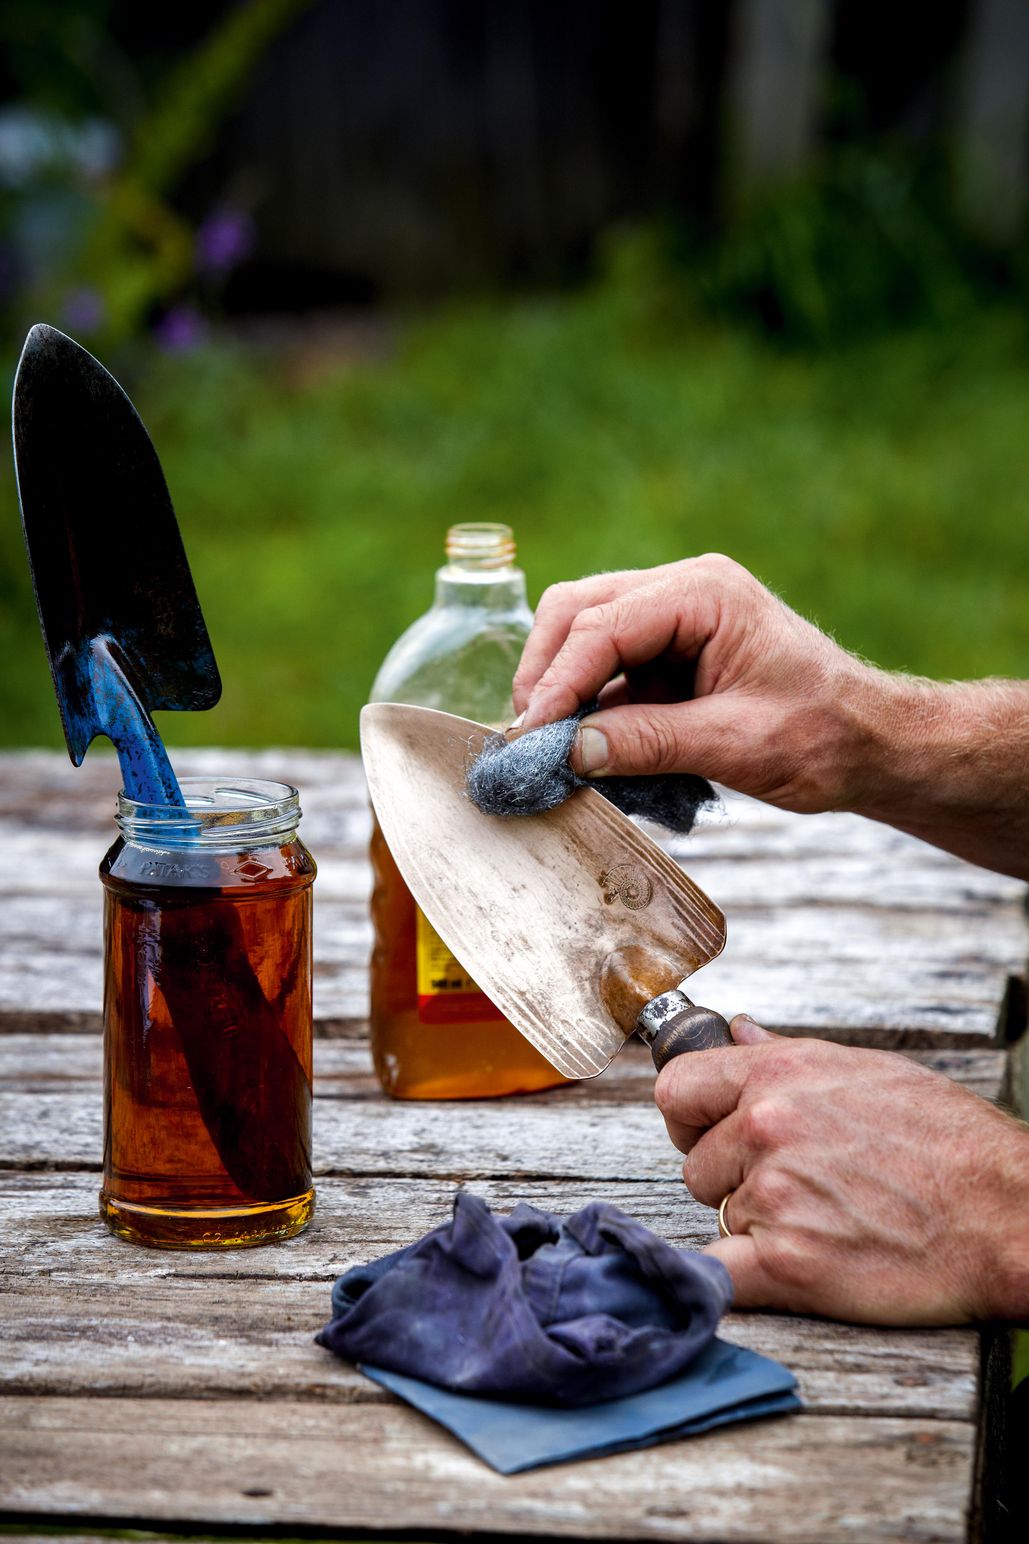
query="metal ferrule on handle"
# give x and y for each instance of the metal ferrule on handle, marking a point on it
(672, 1025)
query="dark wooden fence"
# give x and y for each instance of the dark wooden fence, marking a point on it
(413, 146)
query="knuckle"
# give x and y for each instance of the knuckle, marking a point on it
(592, 619)
(764, 1123)
(722, 566)
(768, 1191)
(699, 1184)
(556, 596)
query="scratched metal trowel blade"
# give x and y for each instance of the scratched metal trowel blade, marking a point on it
(533, 905)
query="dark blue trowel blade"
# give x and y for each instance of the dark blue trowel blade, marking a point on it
(108, 565)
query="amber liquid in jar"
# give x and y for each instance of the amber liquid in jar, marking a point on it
(207, 1044)
(444, 1043)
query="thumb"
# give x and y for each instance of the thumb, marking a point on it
(752, 1286)
(647, 738)
(745, 1031)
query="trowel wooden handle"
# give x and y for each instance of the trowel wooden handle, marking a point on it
(692, 1029)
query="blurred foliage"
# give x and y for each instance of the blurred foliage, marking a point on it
(832, 387)
(110, 131)
(864, 243)
(114, 249)
(880, 487)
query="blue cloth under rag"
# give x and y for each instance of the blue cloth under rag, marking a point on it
(538, 1338)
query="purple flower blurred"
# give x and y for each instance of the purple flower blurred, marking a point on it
(84, 310)
(180, 329)
(224, 239)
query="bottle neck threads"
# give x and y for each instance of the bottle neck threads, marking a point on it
(480, 547)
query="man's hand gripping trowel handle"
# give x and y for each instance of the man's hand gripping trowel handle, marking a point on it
(672, 1025)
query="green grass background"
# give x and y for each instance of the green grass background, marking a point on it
(881, 488)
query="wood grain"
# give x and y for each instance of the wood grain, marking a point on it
(558, 1136)
(42, 1063)
(837, 926)
(185, 1391)
(88, 1321)
(304, 1464)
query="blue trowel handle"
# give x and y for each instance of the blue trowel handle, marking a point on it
(108, 696)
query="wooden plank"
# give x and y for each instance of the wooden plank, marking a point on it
(565, 1134)
(172, 1333)
(868, 978)
(340, 1467)
(42, 794)
(851, 973)
(837, 926)
(170, 1322)
(527, 1138)
(65, 816)
(31, 1063)
(53, 1228)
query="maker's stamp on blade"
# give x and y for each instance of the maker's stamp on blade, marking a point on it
(628, 883)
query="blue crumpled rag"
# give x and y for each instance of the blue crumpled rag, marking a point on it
(536, 1338)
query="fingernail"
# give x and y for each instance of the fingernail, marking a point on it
(592, 752)
(747, 1031)
(517, 722)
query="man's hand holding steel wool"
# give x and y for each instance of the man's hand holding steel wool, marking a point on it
(855, 1183)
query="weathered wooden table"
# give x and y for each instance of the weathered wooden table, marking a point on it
(170, 1391)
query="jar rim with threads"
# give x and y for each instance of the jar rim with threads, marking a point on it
(219, 812)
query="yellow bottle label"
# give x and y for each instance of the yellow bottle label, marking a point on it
(446, 992)
(438, 971)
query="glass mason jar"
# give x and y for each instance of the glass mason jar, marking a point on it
(207, 1018)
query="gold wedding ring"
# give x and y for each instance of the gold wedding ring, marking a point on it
(724, 1230)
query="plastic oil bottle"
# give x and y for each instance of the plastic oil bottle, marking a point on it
(434, 1035)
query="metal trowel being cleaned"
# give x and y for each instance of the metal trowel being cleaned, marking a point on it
(577, 925)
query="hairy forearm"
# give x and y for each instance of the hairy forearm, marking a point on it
(1007, 1285)
(947, 762)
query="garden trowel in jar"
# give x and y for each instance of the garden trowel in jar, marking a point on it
(575, 923)
(125, 637)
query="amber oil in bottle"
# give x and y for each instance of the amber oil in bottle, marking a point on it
(434, 1035)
